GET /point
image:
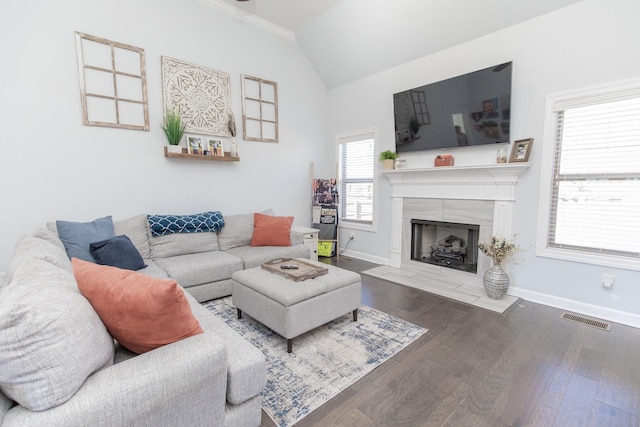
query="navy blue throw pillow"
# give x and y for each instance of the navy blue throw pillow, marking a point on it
(117, 251)
(197, 223)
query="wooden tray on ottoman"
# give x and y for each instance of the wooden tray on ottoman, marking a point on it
(304, 271)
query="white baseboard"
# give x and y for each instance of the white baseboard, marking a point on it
(365, 257)
(622, 317)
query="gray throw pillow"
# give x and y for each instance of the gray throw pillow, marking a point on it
(77, 236)
(51, 338)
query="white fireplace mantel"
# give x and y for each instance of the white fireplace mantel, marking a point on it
(491, 183)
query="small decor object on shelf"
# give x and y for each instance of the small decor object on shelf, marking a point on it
(194, 144)
(388, 158)
(444, 160)
(173, 128)
(231, 124)
(520, 150)
(501, 156)
(215, 148)
(495, 279)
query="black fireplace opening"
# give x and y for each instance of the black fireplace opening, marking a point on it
(445, 244)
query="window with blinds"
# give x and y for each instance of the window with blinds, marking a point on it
(356, 170)
(595, 197)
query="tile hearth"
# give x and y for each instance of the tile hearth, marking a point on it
(462, 292)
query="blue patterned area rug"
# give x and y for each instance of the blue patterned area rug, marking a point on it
(324, 361)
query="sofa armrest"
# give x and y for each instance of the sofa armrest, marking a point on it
(296, 237)
(183, 383)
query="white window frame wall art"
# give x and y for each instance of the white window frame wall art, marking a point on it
(259, 109)
(113, 83)
(200, 94)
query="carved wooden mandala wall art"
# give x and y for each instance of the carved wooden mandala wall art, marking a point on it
(200, 94)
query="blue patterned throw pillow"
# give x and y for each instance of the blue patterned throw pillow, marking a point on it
(196, 223)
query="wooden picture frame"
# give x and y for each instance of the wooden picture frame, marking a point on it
(215, 147)
(113, 83)
(520, 150)
(195, 144)
(259, 109)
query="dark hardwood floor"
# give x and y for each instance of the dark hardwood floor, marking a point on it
(478, 368)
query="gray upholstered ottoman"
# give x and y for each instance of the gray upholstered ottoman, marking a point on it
(293, 308)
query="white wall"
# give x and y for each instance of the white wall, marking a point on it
(589, 43)
(52, 167)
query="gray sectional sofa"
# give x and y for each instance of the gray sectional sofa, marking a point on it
(60, 366)
(203, 263)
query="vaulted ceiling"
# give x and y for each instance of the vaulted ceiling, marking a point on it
(346, 40)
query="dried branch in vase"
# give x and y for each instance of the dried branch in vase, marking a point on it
(499, 249)
(232, 124)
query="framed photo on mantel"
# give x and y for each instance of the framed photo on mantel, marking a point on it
(520, 150)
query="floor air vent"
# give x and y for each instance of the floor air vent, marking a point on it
(594, 323)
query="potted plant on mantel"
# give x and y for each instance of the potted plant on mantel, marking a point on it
(388, 159)
(173, 128)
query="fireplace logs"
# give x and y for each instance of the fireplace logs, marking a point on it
(449, 250)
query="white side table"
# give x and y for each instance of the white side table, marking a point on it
(309, 238)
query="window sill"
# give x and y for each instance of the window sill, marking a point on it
(590, 258)
(356, 226)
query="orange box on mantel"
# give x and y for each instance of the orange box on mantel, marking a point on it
(444, 160)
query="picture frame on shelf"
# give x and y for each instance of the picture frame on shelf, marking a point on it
(215, 147)
(195, 144)
(520, 150)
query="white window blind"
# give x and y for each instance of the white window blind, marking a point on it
(595, 199)
(355, 168)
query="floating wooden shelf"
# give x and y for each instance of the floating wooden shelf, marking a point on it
(184, 155)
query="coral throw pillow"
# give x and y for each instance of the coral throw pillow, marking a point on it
(271, 230)
(139, 311)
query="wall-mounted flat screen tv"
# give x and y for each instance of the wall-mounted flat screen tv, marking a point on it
(468, 110)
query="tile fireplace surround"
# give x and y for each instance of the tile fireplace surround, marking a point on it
(481, 195)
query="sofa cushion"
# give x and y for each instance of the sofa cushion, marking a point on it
(118, 252)
(76, 236)
(181, 244)
(50, 236)
(246, 369)
(204, 222)
(254, 256)
(51, 339)
(237, 230)
(29, 247)
(141, 312)
(154, 270)
(271, 230)
(197, 269)
(136, 229)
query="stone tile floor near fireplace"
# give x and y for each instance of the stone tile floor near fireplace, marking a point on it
(428, 282)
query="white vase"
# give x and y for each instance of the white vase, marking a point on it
(495, 281)
(174, 149)
(234, 148)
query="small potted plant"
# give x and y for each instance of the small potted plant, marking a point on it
(173, 128)
(388, 158)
